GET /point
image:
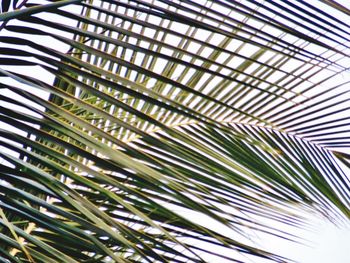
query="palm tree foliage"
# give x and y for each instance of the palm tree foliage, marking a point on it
(165, 115)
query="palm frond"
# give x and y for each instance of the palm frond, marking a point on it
(232, 112)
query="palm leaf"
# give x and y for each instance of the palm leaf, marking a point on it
(162, 111)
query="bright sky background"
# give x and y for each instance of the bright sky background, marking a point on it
(327, 244)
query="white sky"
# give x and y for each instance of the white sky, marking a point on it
(322, 242)
(327, 244)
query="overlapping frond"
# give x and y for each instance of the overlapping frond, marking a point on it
(165, 111)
